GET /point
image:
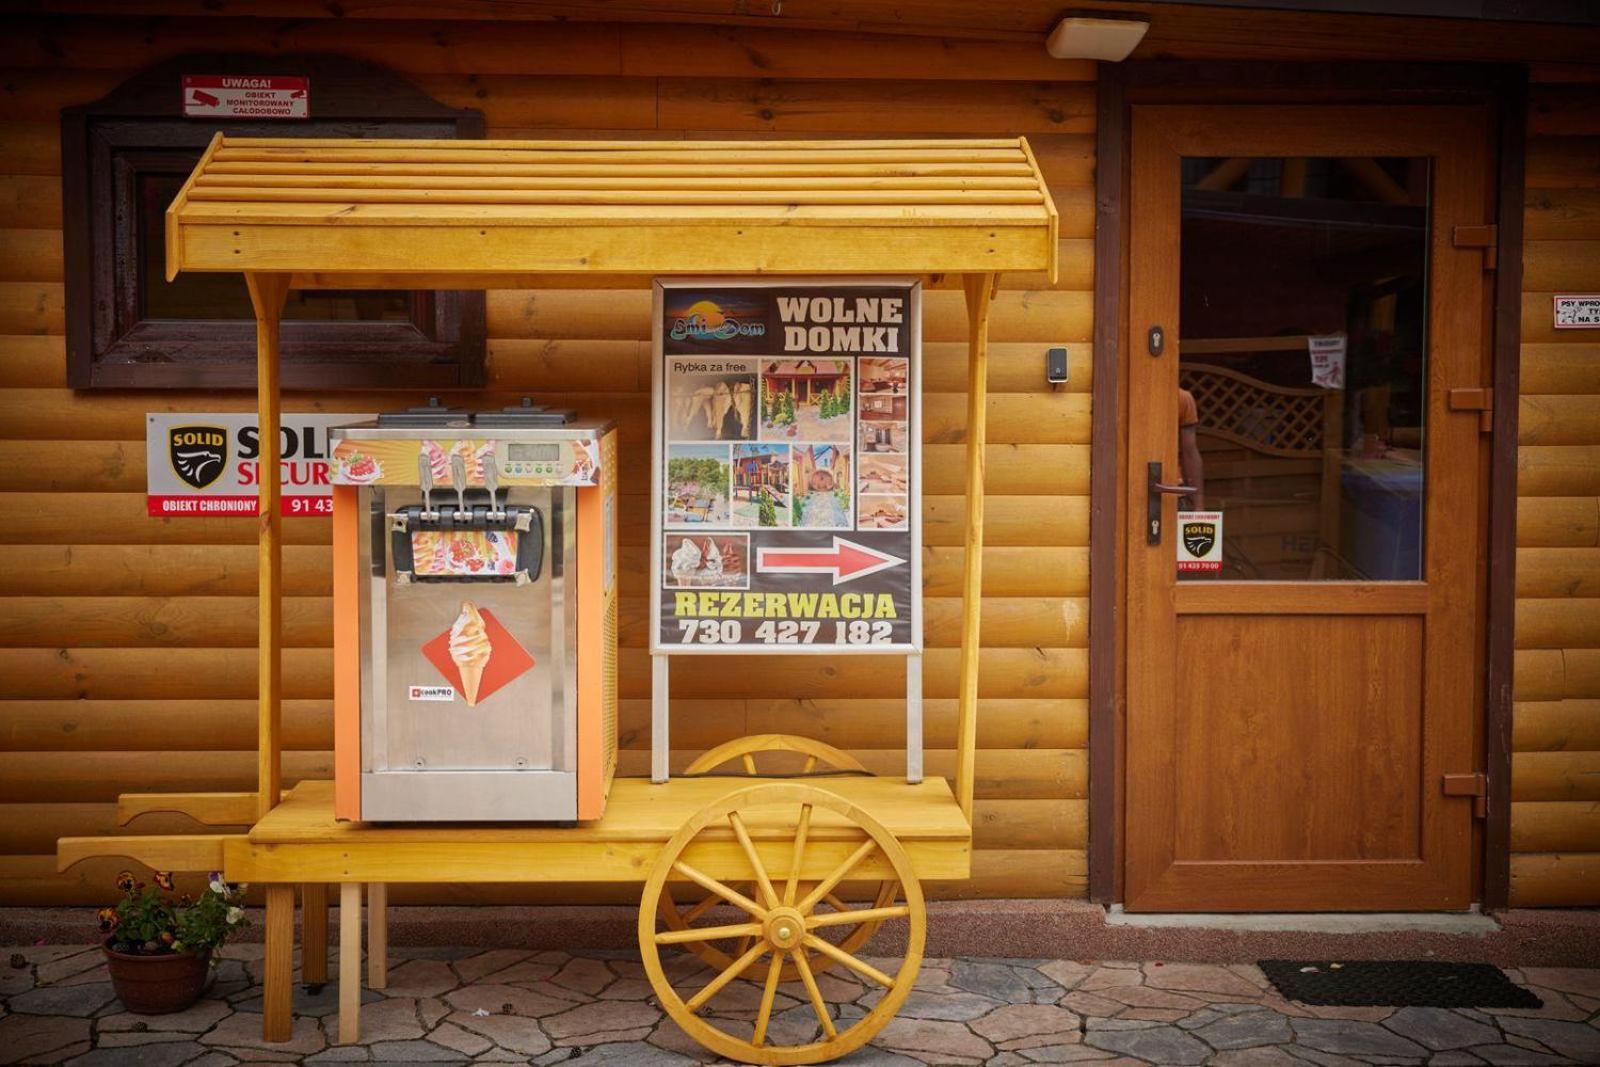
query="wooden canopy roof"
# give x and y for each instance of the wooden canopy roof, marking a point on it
(472, 210)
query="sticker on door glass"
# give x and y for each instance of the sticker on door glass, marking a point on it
(1199, 540)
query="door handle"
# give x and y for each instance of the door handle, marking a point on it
(1155, 490)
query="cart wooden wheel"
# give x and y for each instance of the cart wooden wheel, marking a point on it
(784, 924)
(818, 754)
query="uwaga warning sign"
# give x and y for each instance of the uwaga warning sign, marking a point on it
(787, 473)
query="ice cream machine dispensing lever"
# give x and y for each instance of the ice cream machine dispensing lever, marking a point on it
(458, 482)
(425, 482)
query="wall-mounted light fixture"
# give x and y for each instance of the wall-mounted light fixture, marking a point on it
(1105, 35)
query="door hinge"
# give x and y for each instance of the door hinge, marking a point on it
(1475, 785)
(1479, 399)
(1486, 238)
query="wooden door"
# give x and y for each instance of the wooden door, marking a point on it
(1291, 717)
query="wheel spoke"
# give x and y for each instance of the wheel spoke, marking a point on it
(768, 995)
(799, 854)
(750, 766)
(768, 895)
(818, 1005)
(700, 909)
(826, 885)
(707, 933)
(735, 969)
(732, 896)
(835, 903)
(811, 765)
(866, 970)
(863, 915)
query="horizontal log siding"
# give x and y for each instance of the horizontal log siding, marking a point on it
(1555, 771)
(126, 643)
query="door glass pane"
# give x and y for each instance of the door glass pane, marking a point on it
(1303, 348)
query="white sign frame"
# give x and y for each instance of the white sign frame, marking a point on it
(660, 653)
(1556, 305)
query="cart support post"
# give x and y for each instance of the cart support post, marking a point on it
(277, 1000)
(313, 933)
(979, 290)
(267, 295)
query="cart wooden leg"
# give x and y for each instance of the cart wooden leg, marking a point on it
(377, 935)
(314, 933)
(277, 993)
(349, 963)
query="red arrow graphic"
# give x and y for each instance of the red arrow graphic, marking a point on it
(846, 560)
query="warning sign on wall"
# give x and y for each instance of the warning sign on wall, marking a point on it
(246, 96)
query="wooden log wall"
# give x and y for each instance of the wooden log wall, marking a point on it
(1555, 772)
(126, 642)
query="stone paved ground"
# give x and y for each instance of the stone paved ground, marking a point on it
(461, 1005)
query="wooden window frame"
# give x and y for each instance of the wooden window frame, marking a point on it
(136, 130)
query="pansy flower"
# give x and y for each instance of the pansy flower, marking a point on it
(108, 919)
(125, 881)
(164, 880)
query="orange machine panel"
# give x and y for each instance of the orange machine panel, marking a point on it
(346, 655)
(597, 635)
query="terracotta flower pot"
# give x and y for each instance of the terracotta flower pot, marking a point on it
(157, 985)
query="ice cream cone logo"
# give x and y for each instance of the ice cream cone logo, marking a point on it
(470, 650)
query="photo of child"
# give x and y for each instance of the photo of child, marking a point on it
(697, 485)
(822, 486)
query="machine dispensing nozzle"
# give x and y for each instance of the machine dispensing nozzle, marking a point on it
(458, 481)
(491, 482)
(425, 481)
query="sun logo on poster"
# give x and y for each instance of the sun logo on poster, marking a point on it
(198, 453)
(705, 320)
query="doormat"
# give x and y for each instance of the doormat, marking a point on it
(1400, 983)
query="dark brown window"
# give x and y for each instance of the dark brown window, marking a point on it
(123, 160)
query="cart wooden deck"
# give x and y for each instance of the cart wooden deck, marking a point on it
(300, 841)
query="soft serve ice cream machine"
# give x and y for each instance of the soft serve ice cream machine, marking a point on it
(475, 607)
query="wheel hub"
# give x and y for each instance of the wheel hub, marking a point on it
(784, 927)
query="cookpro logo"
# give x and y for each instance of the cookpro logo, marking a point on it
(199, 454)
(705, 320)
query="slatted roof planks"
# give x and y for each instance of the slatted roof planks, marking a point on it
(482, 212)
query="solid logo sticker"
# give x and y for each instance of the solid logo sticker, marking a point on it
(199, 454)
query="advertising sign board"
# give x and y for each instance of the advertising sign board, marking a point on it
(206, 463)
(786, 475)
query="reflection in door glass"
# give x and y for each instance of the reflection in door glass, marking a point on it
(1303, 363)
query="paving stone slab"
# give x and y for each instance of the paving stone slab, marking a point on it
(414, 1052)
(1352, 1037)
(1157, 1044)
(1267, 1056)
(79, 1000)
(472, 968)
(1246, 1030)
(1022, 1020)
(996, 980)
(514, 1032)
(628, 1054)
(421, 978)
(341, 1054)
(505, 1000)
(166, 1054)
(24, 1036)
(1068, 1054)
(1513, 1056)
(933, 1035)
(1440, 1028)
(1575, 1040)
(199, 1017)
(242, 1030)
(1205, 978)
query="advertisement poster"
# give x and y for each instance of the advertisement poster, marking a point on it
(786, 467)
(200, 463)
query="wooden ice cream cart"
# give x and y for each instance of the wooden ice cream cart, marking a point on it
(755, 862)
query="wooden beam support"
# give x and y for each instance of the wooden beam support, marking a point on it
(159, 852)
(314, 933)
(277, 996)
(267, 295)
(980, 289)
(377, 934)
(212, 809)
(349, 963)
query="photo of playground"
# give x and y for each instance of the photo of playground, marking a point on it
(761, 485)
(716, 405)
(822, 486)
(707, 561)
(806, 400)
(697, 485)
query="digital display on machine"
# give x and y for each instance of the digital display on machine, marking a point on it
(533, 452)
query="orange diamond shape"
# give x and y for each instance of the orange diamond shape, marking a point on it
(507, 658)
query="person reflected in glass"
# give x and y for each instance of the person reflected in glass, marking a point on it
(1190, 465)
